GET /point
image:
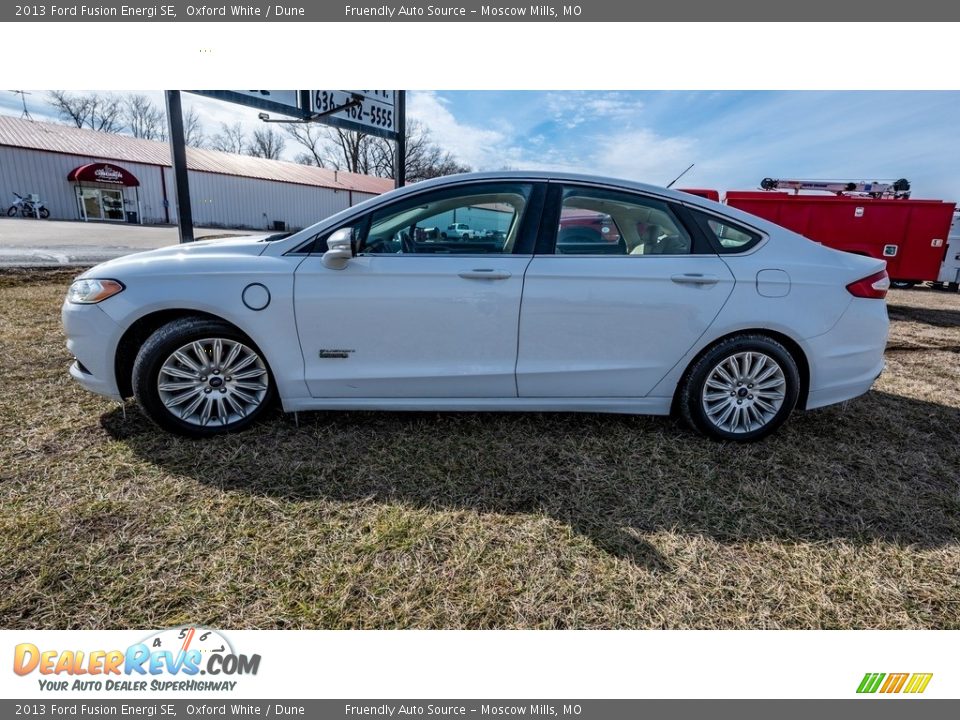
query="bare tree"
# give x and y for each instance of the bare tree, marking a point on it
(314, 138)
(143, 119)
(358, 152)
(231, 139)
(351, 150)
(333, 148)
(425, 159)
(266, 143)
(93, 110)
(193, 134)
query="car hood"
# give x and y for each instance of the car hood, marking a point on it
(246, 245)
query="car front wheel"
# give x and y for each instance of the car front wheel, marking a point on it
(742, 389)
(200, 377)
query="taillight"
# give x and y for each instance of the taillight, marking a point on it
(874, 286)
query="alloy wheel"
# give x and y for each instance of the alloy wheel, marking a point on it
(213, 382)
(744, 392)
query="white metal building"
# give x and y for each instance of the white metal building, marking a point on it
(87, 175)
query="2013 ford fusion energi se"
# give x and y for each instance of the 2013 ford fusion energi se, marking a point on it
(570, 293)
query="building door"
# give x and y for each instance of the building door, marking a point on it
(100, 203)
(88, 200)
(112, 203)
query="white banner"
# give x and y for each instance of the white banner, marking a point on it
(460, 664)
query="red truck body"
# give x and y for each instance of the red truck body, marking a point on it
(911, 235)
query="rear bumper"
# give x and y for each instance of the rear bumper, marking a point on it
(840, 393)
(845, 362)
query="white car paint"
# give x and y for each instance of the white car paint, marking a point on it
(414, 327)
(612, 334)
(644, 313)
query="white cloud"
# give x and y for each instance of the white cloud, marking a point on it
(477, 147)
(570, 109)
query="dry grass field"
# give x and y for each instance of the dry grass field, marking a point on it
(848, 518)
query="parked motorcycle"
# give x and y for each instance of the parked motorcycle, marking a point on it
(27, 207)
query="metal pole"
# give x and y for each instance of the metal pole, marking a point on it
(401, 161)
(178, 153)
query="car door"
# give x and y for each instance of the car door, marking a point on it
(417, 315)
(621, 287)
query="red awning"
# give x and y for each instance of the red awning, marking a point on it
(103, 173)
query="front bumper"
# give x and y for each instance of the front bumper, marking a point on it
(92, 338)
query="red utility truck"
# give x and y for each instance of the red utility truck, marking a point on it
(875, 219)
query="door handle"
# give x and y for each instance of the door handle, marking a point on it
(694, 279)
(484, 274)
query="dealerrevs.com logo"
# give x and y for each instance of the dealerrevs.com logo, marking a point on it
(171, 660)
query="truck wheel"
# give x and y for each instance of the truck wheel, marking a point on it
(742, 389)
(200, 377)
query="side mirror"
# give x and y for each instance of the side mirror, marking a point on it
(339, 249)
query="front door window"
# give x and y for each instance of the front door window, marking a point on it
(473, 220)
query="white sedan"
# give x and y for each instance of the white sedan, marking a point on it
(683, 305)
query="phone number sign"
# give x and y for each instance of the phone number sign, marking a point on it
(372, 110)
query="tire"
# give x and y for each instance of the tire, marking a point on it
(755, 414)
(12, 211)
(44, 213)
(903, 284)
(195, 398)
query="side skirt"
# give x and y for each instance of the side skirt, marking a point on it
(631, 406)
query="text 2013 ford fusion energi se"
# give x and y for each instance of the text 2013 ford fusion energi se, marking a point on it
(570, 293)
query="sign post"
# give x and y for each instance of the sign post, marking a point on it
(178, 152)
(401, 162)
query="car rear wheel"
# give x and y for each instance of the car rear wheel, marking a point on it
(200, 377)
(742, 389)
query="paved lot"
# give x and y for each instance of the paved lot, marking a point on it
(31, 243)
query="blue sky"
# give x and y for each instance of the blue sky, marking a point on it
(734, 138)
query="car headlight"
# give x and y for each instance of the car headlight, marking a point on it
(91, 290)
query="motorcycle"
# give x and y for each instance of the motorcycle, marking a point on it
(27, 207)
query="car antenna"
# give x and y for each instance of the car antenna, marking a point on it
(680, 176)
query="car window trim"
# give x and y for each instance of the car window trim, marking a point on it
(529, 220)
(553, 207)
(711, 237)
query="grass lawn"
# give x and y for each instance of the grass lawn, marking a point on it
(848, 518)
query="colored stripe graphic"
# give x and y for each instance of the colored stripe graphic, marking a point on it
(918, 682)
(894, 683)
(870, 682)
